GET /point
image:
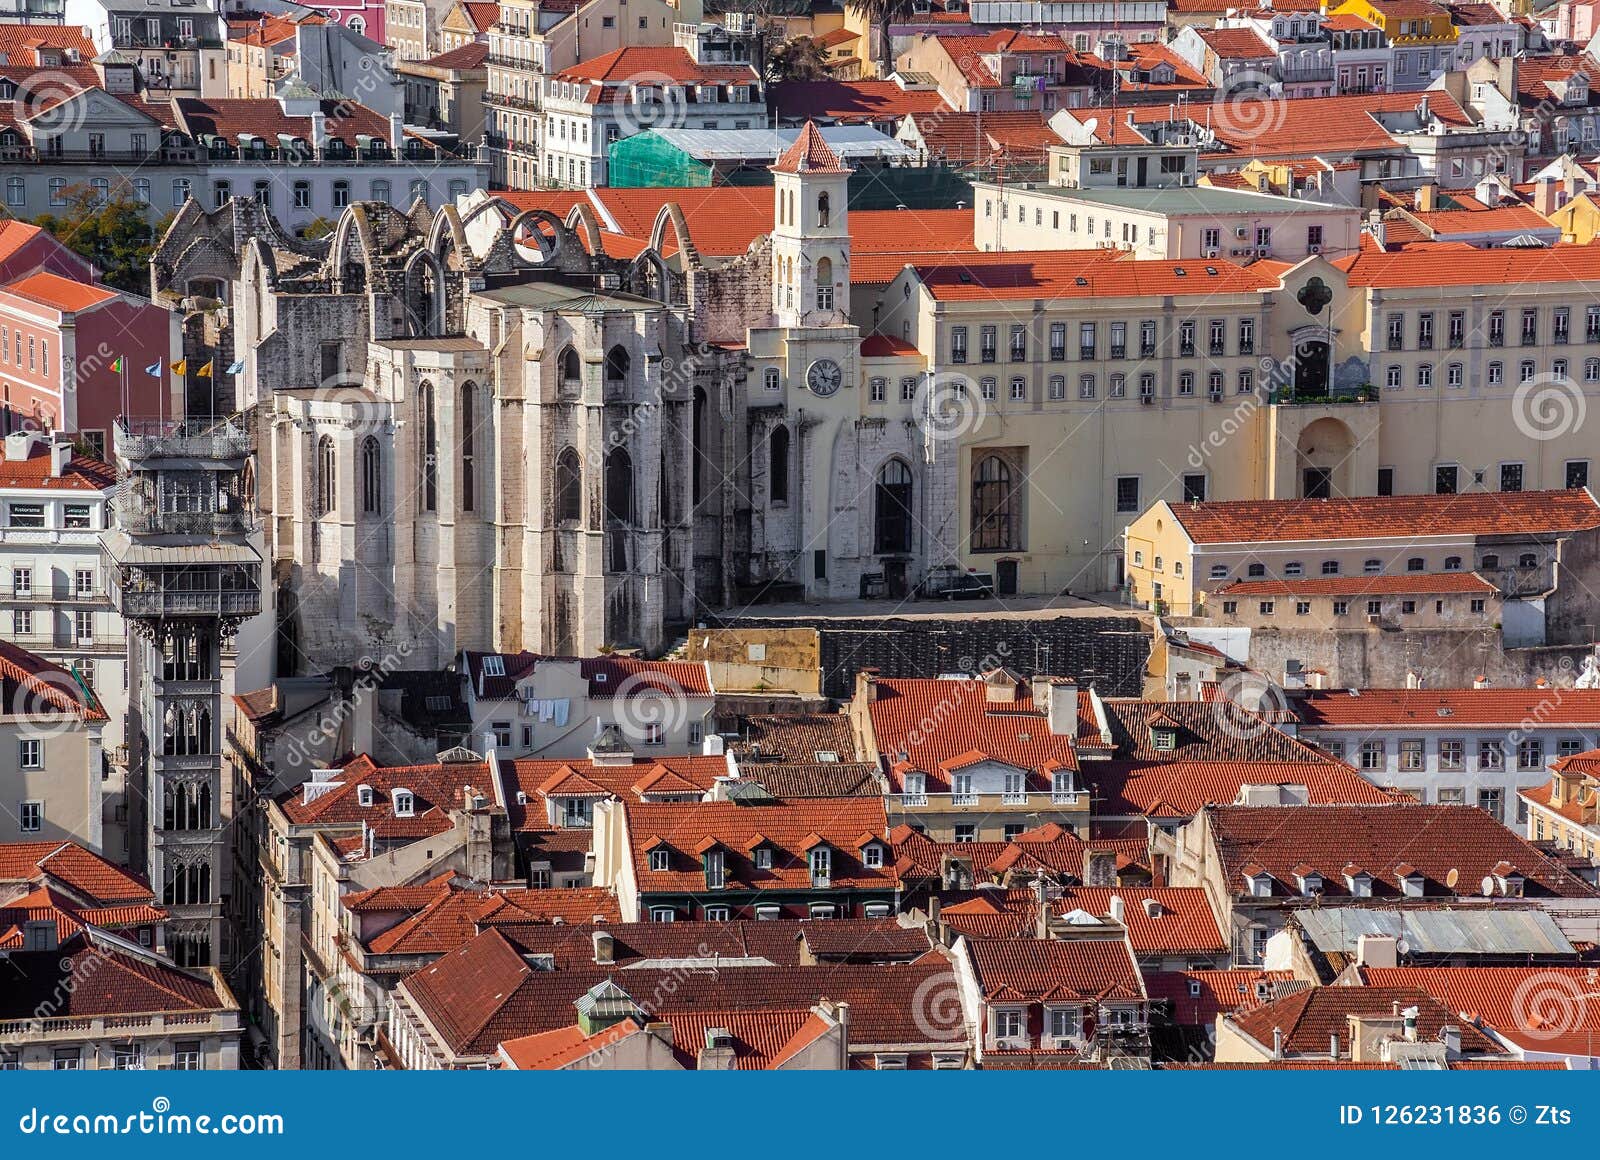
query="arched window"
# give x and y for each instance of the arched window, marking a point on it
(371, 475)
(569, 486)
(778, 465)
(824, 208)
(617, 364)
(698, 440)
(428, 451)
(619, 486)
(327, 466)
(995, 524)
(571, 368)
(824, 284)
(468, 419)
(892, 512)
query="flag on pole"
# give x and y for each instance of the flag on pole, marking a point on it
(204, 372)
(116, 366)
(234, 367)
(154, 369)
(181, 367)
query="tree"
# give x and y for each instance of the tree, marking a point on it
(111, 231)
(883, 13)
(319, 227)
(800, 59)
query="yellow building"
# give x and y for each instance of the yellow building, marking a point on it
(1421, 35)
(1566, 811)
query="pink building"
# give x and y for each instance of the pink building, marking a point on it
(60, 340)
(26, 249)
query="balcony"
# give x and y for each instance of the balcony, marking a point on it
(963, 799)
(1186, 350)
(1067, 799)
(185, 439)
(1218, 350)
(1086, 352)
(1119, 351)
(158, 602)
(144, 521)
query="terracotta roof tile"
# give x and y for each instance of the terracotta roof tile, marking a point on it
(1084, 274)
(1437, 265)
(1310, 1018)
(1384, 840)
(809, 154)
(1547, 1010)
(851, 102)
(1510, 708)
(1220, 992)
(1049, 969)
(63, 294)
(121, 983)
(1467, 514)
(552, 778)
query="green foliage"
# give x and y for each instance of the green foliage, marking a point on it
(317, 228)
(113, 233)
(800, 59)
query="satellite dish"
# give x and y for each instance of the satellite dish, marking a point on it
(1091, 125)
(1452, 878)
(1402, 947)
(1486, 887)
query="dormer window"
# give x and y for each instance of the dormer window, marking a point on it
(660, 858)
(821, 866)
(763, 857)
(716, 865)
(1410, 879)
(404, 803)
(916, 784)
(872, 855)
(364, 796)
(1359, 884)
(494, 666)
(1309, 880)
(1259, 883)
(1164, 740)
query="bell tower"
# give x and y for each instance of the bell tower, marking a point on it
(811, 234)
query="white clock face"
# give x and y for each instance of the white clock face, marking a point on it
(824, 377)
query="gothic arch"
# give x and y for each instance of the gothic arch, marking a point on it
(426, 307)
(549, 247)
(673, 213)
(650, 277)
(581, 220)
(352, 268)
(446, 235)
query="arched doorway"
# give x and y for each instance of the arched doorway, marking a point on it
(1323, 454)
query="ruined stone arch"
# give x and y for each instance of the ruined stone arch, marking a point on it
(350, 257)
(426, 295)
(447, 235)
(649, 276)
(549, 247)
(672, 213)
(581, 220)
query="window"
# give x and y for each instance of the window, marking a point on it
(958, 344)
(986, 388)
(30, 753)
(986, 340)
(877, 389)
(662, 914)
(1411, 756)
(1330, 567)
(1374, 608)
(341, 194)
(1492, 802)
(25, 515)
(778, 465)
(1086, 386)
(1452, 754)
(1530, 754)
(1267, 607)
(1194, 491)
(1294, 568)
(1058, 341)
(568, 486)
(327, 489)
(1453, 375)
(1302, 608)
(30, 817)
(1452, 563)
(1373, 755)
(908, 389)
(371, 475)
(1341, 607)
(996, 507)
(1445, 480)
(1019, 389)
(1127, 492)
(892, 511)
(821, 861)
(661, 858)
(763, 858)
(1372, 567)
(1393, 376)
(1491, 754)
(1496, 373)
(1577, 473)
(1256, 571)
(1058, 386)
(1511, 477)
(771, 379)
(966, 832)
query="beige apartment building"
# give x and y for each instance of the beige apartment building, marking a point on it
(52, 775)
(1096, 385)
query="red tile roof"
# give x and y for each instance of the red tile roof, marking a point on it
(851, 102)
(647, 65)
(1017, 969)
(794, 737)
(1546, 1010)
(121, 982)
(1236, 43)
(1441, 843)
(1182, 922)
(1468, 514)
(1330, 127)
(565, 1046)
(81, 871)
(1509, 708)
(1011, 136)
(1396, 584)
(791, 828)
(436, 790)
(1048, 848)
(466, 57)
(1220, 992)
(31, 684)
(1310, 1018)
(82, 473)
(994, 275)
(543, 779)
(20, 42)
(607, 676)
(1013, 732)
(60, 293)
(809, 154)
(1430, 265)
(263, 117)
(455, 914)
(482, 14)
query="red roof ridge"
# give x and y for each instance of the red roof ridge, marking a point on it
(810, 154)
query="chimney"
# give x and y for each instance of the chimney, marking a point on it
(1546, 198)
(1152, 908)
(1119, 910)
(1427, 197)
(1277, 1043)
(1413, 679)
(604, 948)
(397, 131)
(712, 745)
(1062, 707)
(1041, 901)
(1376, 227)
(867, 685)
(319, 130)
(1480, 682)
(1377, 950)
(718, 1053)
(1333, 1045)
(841, 1012)
(60, 453)
(1410, 1016)
(1451, 1036)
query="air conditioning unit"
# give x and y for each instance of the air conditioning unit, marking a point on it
(1263, 251)
(1211, 253)
(1313, 249)
(1239, 252)
(1374, 618)
(1241, 231)
(1147, 400)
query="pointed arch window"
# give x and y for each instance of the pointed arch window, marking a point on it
(326, 472)
(892, 510)
(571, 369)
(371, 475)
(619, 486)
(617, 365)
(468, 419)
(569, 486)
(429, 450)
(824, 209)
